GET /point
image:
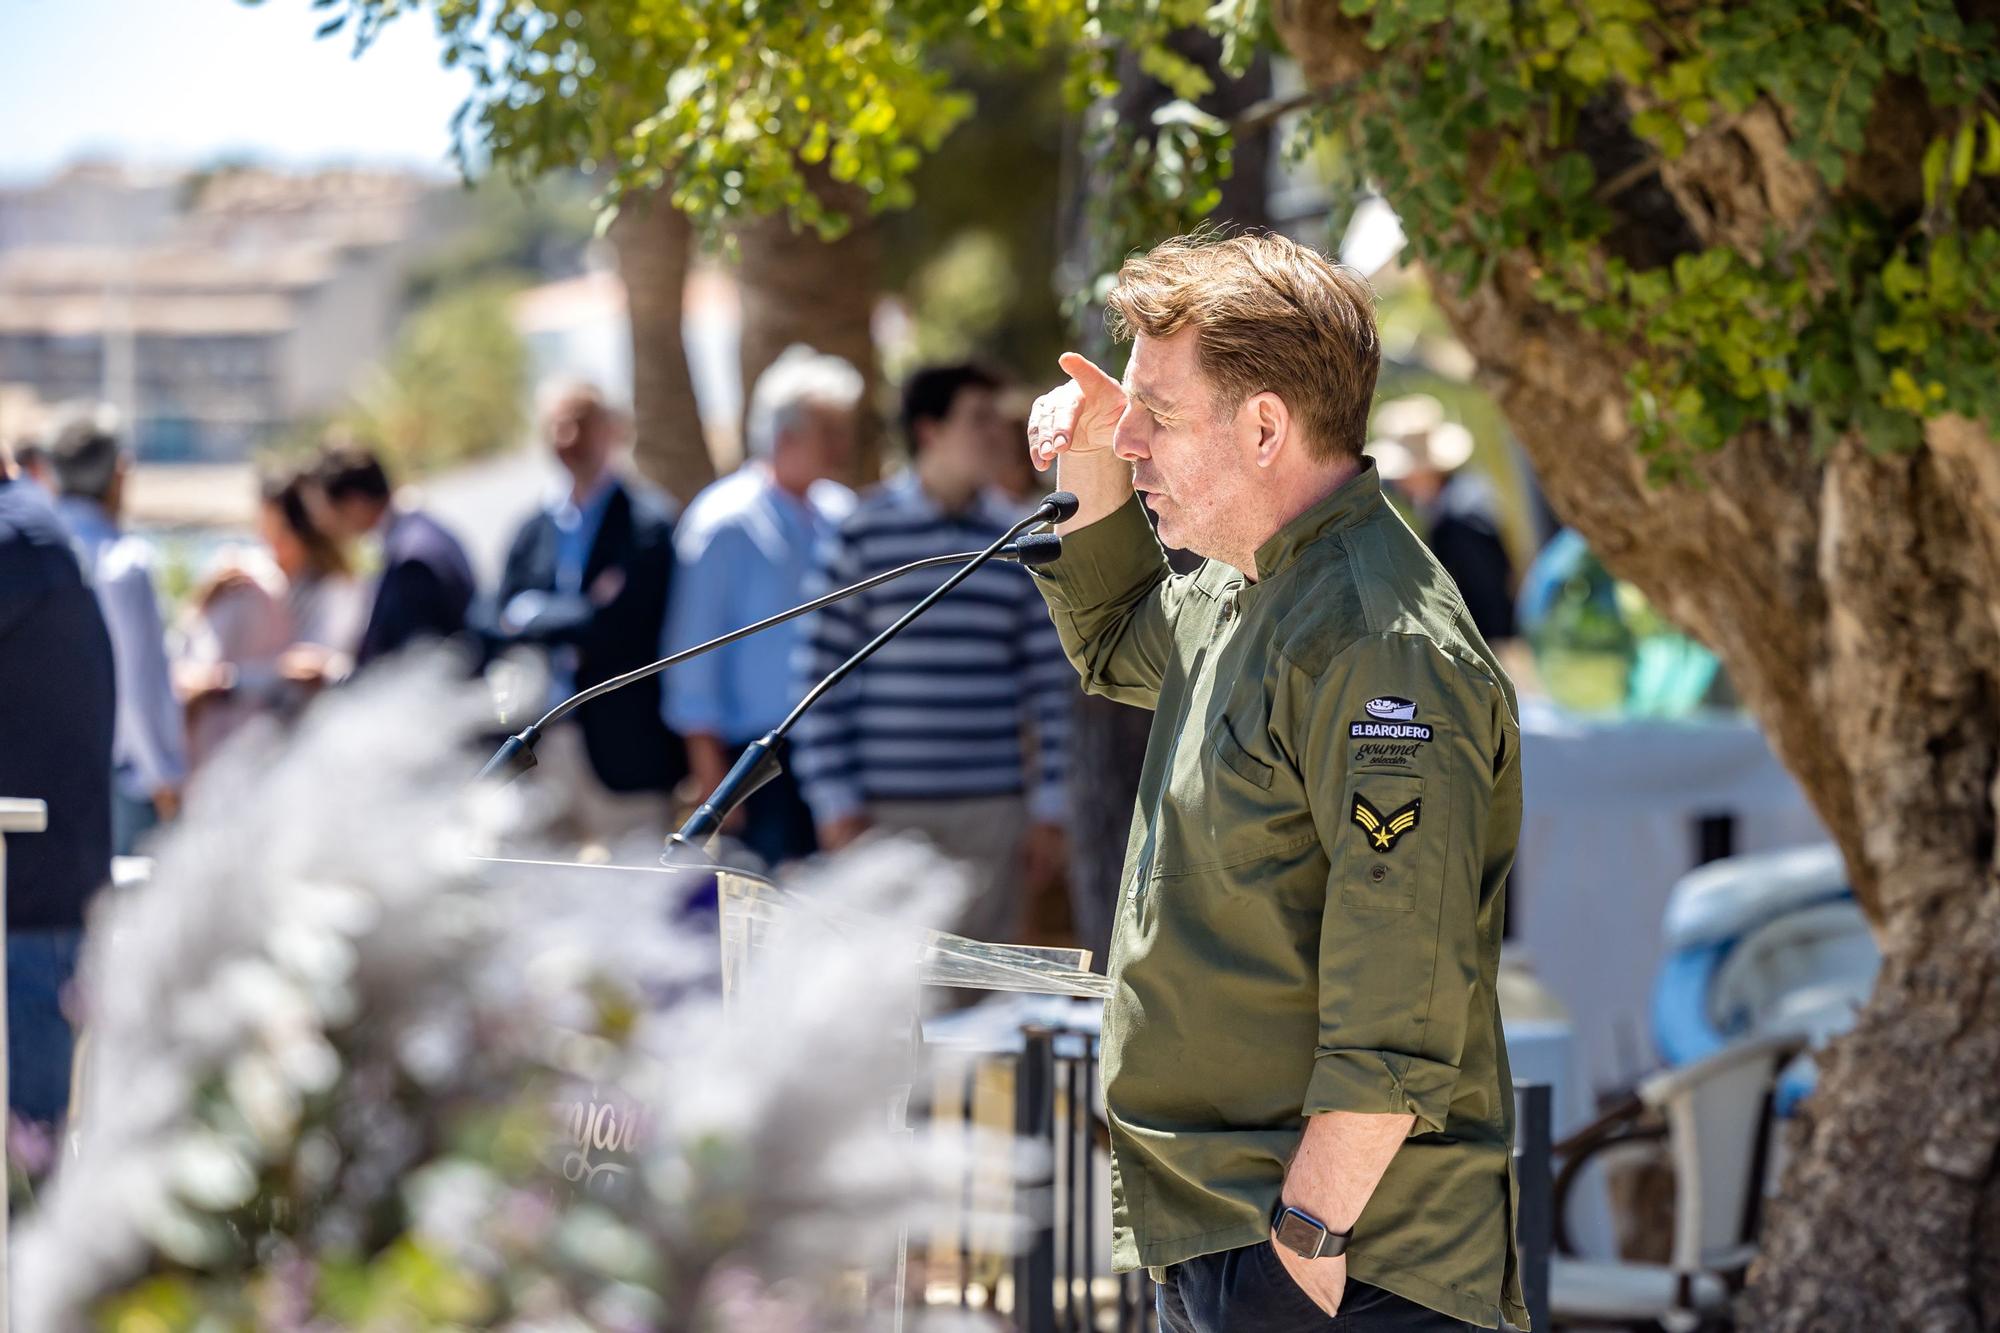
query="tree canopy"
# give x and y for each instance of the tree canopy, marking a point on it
(1870, 306)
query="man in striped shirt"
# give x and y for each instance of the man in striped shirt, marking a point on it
(931, 734)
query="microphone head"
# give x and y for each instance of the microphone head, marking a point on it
(1037, 548)
(1064, 504)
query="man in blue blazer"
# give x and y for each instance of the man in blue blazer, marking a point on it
(586, 582)
(426, 586)
(57, 707)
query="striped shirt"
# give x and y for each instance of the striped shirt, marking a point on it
(941, 711)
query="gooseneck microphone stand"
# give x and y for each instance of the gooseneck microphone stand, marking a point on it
(764, 758)
(517, 754)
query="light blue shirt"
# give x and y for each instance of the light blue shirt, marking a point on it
(577, 526)
(148, 746)
(743, 552)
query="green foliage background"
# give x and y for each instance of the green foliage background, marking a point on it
(1873, 313)
(1868, 317)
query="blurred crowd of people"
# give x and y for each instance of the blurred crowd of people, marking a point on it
(956, 731)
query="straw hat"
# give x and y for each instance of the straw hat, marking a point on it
(1412, 433)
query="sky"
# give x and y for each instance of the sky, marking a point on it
(183, 82)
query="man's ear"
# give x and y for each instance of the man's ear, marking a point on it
(1269, 421)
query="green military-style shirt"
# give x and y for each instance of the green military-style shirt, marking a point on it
(1311, 910)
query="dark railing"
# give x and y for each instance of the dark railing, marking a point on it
(1054, 1273)
(1061, 1255)
(1035, 1122)
(1534, 1199)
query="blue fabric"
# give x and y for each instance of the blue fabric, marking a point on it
(777, 825)
(132, 818)
(576, 528)
(1682, 1032)
(57, 715)
(425, 589)
(1795, 1084)
(940, 713)
(745, 552)
(149, 749)
(576, 532)
(40, 1044)
(630, 748)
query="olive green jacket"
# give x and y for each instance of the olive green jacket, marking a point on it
(1311, 910)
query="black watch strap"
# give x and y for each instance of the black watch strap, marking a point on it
(1305, 1235)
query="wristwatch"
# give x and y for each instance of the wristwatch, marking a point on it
(1303, 1234)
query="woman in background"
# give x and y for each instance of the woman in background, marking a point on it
(299, 596)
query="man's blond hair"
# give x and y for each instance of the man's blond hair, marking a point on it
(1268, 314)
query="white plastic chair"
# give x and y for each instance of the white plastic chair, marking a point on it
(1721, 1143)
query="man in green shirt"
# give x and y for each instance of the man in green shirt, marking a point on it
(1308, 1091)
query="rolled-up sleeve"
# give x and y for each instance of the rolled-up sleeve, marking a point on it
(1398, 742)
(1112, 596)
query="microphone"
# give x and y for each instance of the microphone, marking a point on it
(516, 754)
(1036, 548)
(764, 758)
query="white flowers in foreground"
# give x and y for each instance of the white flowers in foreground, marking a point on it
(341, 1073)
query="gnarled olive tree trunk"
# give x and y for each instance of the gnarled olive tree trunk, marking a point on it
(1855, 599)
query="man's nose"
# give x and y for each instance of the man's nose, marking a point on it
(1129, 440)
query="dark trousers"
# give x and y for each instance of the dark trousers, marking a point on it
(1247, 1290)
(777, 825)
(40, 964)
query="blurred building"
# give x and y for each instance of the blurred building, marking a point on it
(579, 328)
(217, 324)
(92, 203)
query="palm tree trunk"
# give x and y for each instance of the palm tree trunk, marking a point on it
(654, 243)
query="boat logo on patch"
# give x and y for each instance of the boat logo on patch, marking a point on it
(1391, 709)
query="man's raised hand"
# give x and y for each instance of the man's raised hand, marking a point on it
(1078, 417)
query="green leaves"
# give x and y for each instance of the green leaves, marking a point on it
(1933, 171)
(1953, 158)
(1494, 129)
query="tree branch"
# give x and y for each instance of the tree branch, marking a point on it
(1261, 115)
(1627, 178)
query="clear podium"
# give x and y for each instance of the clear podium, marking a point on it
(754, 914)
(754, 911)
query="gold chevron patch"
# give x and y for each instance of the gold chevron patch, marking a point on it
(1385, 831)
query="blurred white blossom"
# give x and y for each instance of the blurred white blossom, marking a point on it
(343, 1073)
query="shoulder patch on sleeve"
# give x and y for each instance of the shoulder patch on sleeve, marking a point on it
(1385, 830)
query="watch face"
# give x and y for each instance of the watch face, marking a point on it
(1300, 1235)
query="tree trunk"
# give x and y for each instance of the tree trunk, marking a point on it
(1890, 1205)
(654, 243)
(800, 289)
(1855, 600)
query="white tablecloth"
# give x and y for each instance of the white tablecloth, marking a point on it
(1612, 806)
